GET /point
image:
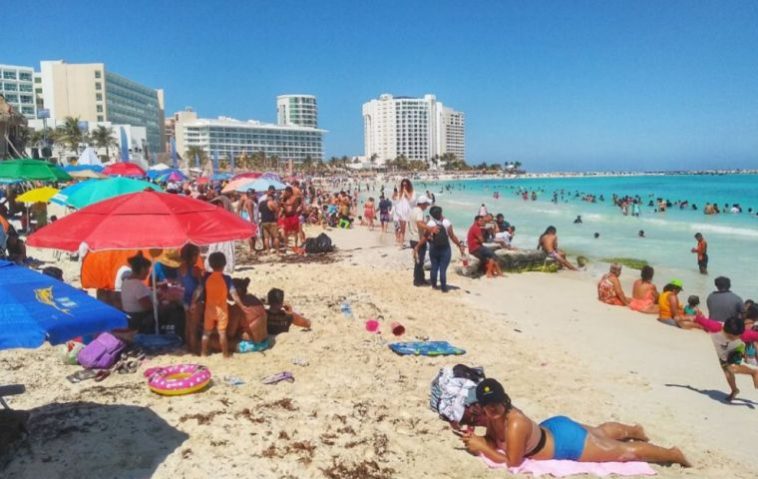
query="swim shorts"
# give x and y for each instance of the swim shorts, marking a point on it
(290, 224)
(569, 437)
(215, 318)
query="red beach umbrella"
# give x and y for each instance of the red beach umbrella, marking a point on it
(124, 169)
(147, 219)
(253, 175)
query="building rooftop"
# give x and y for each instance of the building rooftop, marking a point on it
(233, 122)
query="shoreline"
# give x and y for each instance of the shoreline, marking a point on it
(366, 405)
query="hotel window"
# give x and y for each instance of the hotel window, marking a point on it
(37, 80)
(97, 73)
(100, 118)
(11, 87)
(27, 99)
(99, 96)
(25, 76)
(99, 108)
(9, 75)
(25, 87)
(98, 86)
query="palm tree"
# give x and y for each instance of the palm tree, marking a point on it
(372, 159)
(195, 151)
(70, 134)
(103, 137)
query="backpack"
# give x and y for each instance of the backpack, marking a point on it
(453, 395)
(102, 353)
(440, 239)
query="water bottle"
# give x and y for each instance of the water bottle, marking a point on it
(346, 310)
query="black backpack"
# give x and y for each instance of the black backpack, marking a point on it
(320, 244)
(440, 239)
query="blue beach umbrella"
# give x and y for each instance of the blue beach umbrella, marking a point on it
(62, 197)
(38, 308)
(174, 156)
(95, 168)
(124, 145)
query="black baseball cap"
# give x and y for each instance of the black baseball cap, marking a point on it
(489, 391)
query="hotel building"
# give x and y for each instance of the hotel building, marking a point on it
(226, 136)
(94, 94)
(17, 87)
(418, 128)
(297, 110)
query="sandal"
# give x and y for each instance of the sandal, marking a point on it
(81, 375)
(102, 374)
(279, 377)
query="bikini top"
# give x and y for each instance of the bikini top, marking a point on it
(534, 444)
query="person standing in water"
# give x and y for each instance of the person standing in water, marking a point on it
(702, 253)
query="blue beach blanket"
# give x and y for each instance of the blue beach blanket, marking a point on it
(426, 348)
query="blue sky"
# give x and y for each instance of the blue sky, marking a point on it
(568, 85)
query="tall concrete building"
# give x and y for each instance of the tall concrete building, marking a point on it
(17, 87)
(418, 128)
(297, 110)
(227, 136)
(92, 93)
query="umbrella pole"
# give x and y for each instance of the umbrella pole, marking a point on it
(155, 299)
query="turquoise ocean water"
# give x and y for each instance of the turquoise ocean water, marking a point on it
(732, 238)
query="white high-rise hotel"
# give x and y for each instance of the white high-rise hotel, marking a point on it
(418, 128)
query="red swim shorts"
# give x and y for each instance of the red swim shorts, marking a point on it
(290, 224)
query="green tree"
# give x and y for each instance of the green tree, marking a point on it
(71, 135)
(102, 137)
(258, 160)
(195, 151)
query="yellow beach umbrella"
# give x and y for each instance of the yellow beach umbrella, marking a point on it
(38, 195)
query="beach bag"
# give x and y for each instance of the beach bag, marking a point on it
(102, 353)
(320, 244)
(452, 395)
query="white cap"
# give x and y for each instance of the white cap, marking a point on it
(423, 199)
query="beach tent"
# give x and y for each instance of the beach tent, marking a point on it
(89, 157)
(124, 169)
(144, 220)
(37, 308)
(27, 169)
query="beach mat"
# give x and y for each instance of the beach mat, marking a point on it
(426, 348)
(561, 468)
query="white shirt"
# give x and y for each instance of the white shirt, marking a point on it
(123, 273)
(445, 223)
(504, 236)
(417, 214)
(132, 291)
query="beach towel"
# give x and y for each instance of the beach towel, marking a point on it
(426, 348)
(561, 468)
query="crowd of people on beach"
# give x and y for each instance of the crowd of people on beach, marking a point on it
(731, 322)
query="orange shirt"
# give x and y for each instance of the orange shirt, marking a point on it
(217, 288)
(5, 225)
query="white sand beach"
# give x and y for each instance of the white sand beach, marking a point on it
(358, 410)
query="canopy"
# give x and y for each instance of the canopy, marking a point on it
(147, 219)
(160, 173)
(159, 167)
(221, 176)
(38, 195)
(73, 168)
(261, 184)
(250, 175)
(175, 175)
(32, 170)
(37, 307)
(236, 183)
(124, 169)
(62, 197)
(89, 157)
(95, 191)
(86, 174)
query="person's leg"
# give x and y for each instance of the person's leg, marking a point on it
(746, 370)
(418, 270)
(224, 341)
(598, 448)
(415, 262)
(619, 431)
(204, 342)
(444, 262)
(732, 384)
(434, 258)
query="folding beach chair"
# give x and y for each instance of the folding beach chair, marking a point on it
(10, 390)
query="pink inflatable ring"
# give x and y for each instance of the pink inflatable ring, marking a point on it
(178, 379)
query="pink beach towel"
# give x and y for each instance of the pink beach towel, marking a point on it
(559, 468)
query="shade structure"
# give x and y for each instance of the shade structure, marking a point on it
(95, 191)
(32, 170)
(124, 169)
(271, 176)
(86, 174)
(38, 195)
(249, 175)
(172, 176)
(89, 157)
(37, 308)
(160, 174)
(147, 219)
(222, 176)
(80, 167)
(261, 184)
(235, 183)
(62, 197)
(158, 167)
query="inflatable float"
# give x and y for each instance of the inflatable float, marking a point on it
(178, 379)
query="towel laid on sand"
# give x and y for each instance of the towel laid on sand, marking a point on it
(426, 348)
(558, 468)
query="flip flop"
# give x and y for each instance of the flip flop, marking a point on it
(279, 377)
(102, 374)
(81, 375)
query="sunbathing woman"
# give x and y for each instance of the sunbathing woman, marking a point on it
(644, 293)
(512, 437)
